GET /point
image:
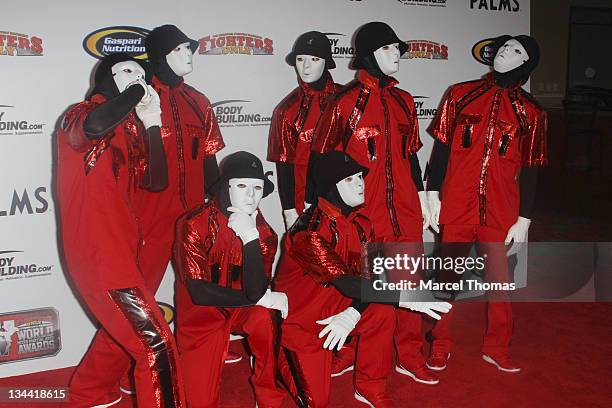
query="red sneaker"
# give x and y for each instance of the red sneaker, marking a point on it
(380, 400)
(438, 360)
(232, 357)
(418, 374)
(502, 362)
(341, 365)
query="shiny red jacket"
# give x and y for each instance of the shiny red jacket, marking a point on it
(377, 127)
(292, 127)
(492, 132)
(96, 184)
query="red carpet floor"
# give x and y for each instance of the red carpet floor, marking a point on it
(564, 349)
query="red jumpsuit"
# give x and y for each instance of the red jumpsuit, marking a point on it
(190, 133)
(97, 183)
(207, 249)
(378, 127)
(492, 132)
(291, 131)
(328, 248)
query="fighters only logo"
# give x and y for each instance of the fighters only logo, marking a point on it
(20, 45)
(29, 334)
(482, 51)
(235, 43)
(110, 40)
(426, 49)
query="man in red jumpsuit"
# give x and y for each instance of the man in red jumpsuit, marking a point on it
(104, 161)
(295, 117)
(225, 250)
(376, 123)
(320, 273)
(489, 134)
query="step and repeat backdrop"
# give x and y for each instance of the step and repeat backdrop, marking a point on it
(46, 59)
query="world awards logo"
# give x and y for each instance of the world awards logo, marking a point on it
(340, 45)
(235, 43)
(483, 51)
(426, 49)
(31, 200)
(235, 113)
(14, 265)
(17, 126)
(431, 3)
(29, 334)
(110, 40)
(424, 108)
(495, 5)
(20, 45)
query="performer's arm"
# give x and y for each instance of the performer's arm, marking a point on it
(211, 172)
(415, 171)
(112, 112)
(438, 165)
(527, 183)
(286, 184)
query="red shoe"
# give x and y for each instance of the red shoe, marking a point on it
(418, 374)
(438, 360)
(380, 400)
(502, 362)
(232, 357)
(341, 366)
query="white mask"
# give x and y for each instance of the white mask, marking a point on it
(509, 56)
(309, 67)
(246, 193)
(351, 189)
(387, 57)
(180, 59)
(126, 72)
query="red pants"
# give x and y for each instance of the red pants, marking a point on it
(203, 342)
(499, 310)
(131, 322)
(374, 346)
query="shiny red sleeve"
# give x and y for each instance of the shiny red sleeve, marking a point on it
(282, 138)
(191, 252)
(268, 241)
(71, 126)
(444, 123)
(213, 141)
(330, 127)
(533, 144)
(414, 144)
(316, 257)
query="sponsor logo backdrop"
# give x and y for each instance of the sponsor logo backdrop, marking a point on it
(240, 66)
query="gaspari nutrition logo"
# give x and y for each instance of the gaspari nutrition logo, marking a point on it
(27, 201)
(29, 334)
(16, 125)
(426, 49)
(483, 51)
(17, 265)
(495, 5)
(424, 107)
(110, 40)
(235, 43)
(431, 3)
(20, 45)
(236, 113)
(340, 45)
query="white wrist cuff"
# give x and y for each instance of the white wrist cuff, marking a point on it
(249, 236)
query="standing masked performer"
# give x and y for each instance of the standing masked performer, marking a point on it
(191, 137)
(225, 250)
(104, 162)
(376, 123)
(489, 133)
(295, 117)
(320, 271)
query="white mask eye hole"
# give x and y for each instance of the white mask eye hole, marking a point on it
(518, 51)
(127, 70)
(316, 59)
(258, 188)
(348, 179)
(241, 185)
(385, 47)
(300, 59)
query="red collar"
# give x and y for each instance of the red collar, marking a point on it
(158, 84)
(372, 82)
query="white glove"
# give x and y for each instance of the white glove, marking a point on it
(243, 224)
(290, 216)
(148, 109)
(429, 308)
(338, 327)
(517, 234)
(433, 197)
(425, 209)
(276, 301)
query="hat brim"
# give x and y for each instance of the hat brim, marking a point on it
(357, 62)
(193, 45)
(290, 60)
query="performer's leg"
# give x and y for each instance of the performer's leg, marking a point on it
(313, 370)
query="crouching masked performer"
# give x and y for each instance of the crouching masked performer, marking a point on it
(320, 273)
(489, 133)
(225, 250)
(375, 122)
(104, 162)
(295, 117)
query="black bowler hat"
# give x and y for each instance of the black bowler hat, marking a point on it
(312, 43)
(104, 83)
(329, 168)
(372, 36)
(243, 165)
(164, 39)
